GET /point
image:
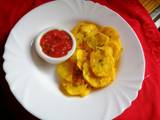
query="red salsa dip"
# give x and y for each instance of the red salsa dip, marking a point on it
(56, 43)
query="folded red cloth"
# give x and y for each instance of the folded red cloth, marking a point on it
(146, 106)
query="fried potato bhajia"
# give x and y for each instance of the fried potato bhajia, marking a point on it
(65, 70)
(110, 32)
(74, 90)
(96, 82)
(81, 58)
(78, 86)
(101, 65)
(97, 40)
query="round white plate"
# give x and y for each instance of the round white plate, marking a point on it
(34, 82)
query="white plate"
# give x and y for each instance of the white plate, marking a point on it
(34, 83)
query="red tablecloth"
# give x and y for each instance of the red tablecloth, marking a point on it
(146, 106)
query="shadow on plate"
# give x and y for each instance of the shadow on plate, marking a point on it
(42, 66)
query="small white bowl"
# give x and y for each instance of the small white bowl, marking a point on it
(54, 60)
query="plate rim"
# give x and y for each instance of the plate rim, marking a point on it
(52, 2)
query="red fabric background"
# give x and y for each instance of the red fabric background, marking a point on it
(145, 107)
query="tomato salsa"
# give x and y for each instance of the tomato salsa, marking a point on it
(56, 43)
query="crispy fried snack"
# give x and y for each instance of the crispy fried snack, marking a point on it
(94, 63)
